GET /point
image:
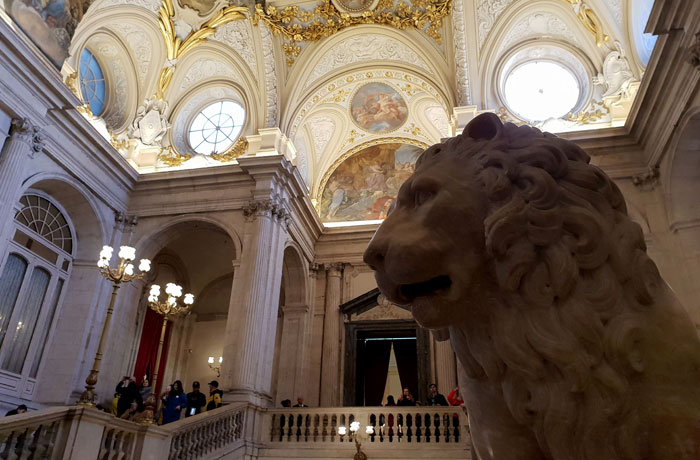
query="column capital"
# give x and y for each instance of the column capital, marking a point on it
(335, 268)
(22, 129)
(272, 208)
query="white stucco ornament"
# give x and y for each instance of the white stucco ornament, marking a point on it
(616, 74)
(509, 242)
(150, 124)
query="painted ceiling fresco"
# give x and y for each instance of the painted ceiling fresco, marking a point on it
(365, 185)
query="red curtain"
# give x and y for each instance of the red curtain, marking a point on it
(406, 354)
(148, 349)
(377, 354)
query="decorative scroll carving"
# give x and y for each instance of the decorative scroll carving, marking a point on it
(150, 124)
(366, 47)
(237, 35)
(24, 130)
(647, 180)
(334, 268)
(694, 52)
(461, 60)
(272, 208)
(616, 73)
(487, 13)
(272, 115)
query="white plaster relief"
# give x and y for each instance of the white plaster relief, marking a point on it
(540, 24)
(364, 48)
(322, 129)
(118, 85)
(207, 68)
(615, 7)
(461, 60)
(437, 116)
(302, 155)
(152, 5)
(487, 13)
(272, 113)
(139, 45)
(237, 35)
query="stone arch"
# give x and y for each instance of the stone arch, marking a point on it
(156, 238)
(682, 176)
(89, 226)
(294, 277)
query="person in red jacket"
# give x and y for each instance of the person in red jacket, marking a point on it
(454, 398)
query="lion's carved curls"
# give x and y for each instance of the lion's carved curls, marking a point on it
(577, 312)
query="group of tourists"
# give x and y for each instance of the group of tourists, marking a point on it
(434, 398)
(129, 400)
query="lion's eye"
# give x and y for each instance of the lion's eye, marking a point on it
(423, 196)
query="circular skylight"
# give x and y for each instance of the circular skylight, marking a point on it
(217, 127)
(540, 90)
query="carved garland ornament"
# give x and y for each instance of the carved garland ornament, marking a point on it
(297, 25)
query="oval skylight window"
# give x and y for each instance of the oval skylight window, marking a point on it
(92, 82)
(540, 90)
(217, 127)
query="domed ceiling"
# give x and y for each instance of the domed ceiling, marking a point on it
(353, 89)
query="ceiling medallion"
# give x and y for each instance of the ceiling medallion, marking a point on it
(332, 16)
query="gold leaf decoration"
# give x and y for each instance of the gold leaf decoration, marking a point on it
(590, 20)
(236, 150)
(589, 116)
(297, 25)
(172, 157)
(176, 48)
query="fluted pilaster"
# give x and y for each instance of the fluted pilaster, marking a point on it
(445, 366)
(24, 142)
(252, 319)
(330, 364)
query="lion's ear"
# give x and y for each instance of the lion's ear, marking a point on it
(485, 126)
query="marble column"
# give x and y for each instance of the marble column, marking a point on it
(252, 319)
(445, 366)
(24, 142)
(330, 363)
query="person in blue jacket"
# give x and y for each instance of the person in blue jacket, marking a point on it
(173, 403)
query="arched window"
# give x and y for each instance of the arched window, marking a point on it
(37, 265)
(92, 82)
(641, 9)
(216, 127)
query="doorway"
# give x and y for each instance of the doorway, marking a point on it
(372, 349)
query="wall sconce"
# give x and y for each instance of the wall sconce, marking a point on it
(210, 361)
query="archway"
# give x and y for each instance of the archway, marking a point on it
(198, 255)
(291, 354)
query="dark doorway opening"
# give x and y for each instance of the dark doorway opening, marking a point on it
(368, 346)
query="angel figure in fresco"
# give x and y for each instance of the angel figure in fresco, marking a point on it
(380, 109)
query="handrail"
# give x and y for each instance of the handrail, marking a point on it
(394, 424)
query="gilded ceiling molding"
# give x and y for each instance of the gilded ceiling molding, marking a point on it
(176, 48)
(384, 140)
(237, 149)
(298, 26)
(171, 157)
(590, 20)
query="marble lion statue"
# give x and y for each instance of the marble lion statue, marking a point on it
(509, 242)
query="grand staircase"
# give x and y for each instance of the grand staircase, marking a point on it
(240, 431)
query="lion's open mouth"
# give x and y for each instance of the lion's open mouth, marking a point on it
(425, 288)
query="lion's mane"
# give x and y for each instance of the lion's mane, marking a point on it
(578, 286)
